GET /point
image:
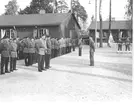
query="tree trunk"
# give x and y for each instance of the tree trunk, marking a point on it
(109, 24)
(100, 16)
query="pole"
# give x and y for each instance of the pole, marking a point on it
(95, 23)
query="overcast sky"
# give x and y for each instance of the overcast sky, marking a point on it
(118, 10)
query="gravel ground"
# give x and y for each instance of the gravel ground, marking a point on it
(71, 79)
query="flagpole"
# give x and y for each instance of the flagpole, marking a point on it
(95, 23)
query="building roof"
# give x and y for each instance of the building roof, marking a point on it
(33, 19)
(124, 25)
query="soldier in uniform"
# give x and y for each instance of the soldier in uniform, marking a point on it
(73, 44)
(31, 51)
(13, 55)
(48, 52)
(25, 51)
(5, 54)
(80, 46)
(52, 48)
(120, 45)
(92, 50)
(70, 44)
(41, 50)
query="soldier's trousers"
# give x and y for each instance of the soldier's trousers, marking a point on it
(127, 47)
(80, 51)
(91, 58)
(31, 58)
(13, 63)
(41, 61)
(47, 60)
(21, 55)
(119, 47)
(4, 63)
(26, 59)
(73, 48)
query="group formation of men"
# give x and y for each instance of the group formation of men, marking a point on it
(126, 43)
(33, 50)
(8, 50)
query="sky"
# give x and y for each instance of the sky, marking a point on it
(118, 8)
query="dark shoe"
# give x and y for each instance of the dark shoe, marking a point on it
(40, 70)
(7, 71)
(50, 67)
(46, 67)
(2, 73)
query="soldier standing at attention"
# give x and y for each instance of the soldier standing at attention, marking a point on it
(31, 51)
(41, 50)
(5, 50)
(13, 54)
(92, 50)
(80, 46)
(26, 52)
(48, 52)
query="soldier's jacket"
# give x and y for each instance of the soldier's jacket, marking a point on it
(52, 43)
(40, 45)
(92, 46)
(13, 49)
(5, 48)
(80, 43)
(48, 44)
(25, 45)
(70, 44)
(32, 46)
(60, 43)
(56, 44)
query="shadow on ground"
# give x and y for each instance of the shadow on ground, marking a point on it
(93, 75)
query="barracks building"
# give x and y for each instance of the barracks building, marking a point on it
(59, 25)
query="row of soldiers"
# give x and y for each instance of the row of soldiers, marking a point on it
(28, 48)
(8, 50)
(58, 47)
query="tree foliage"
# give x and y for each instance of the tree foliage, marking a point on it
(79, 10)
(62, 6)
(129, 9)
(36, 6)
(11, 8)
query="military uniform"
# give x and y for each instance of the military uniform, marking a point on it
(73, 44)
(31, 51)
(60, 46)
(120, 45)
(80, 47)
(127, 44)
(41, 49)
(48, 53)
(26, 51)
(52, 47)
(13, 55)
(70, 44)
(5, 54)
(92, 50)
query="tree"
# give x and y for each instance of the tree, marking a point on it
(100, 16)
(129, 9)
(129, 12)
(36, 6)
(11, 8)
(62, 6)
(79, 10)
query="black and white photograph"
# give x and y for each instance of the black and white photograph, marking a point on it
(70, 51)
